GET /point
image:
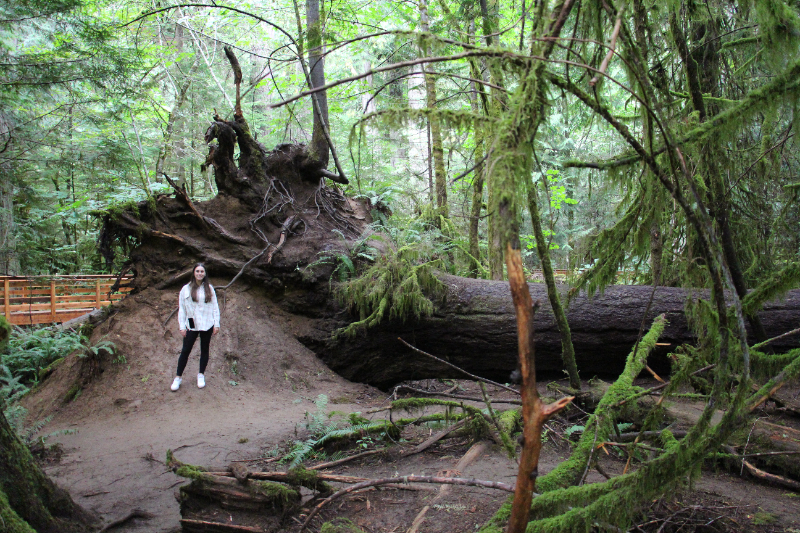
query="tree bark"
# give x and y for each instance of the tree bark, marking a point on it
(474, 328)
(316, 63)
(29, 501)
(437, 152)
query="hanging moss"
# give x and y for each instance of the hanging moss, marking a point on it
(788, 373)
(764, 365)
(397, 285)
(771, 289)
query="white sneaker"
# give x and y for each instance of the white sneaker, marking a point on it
(176, 383)
(201, 381)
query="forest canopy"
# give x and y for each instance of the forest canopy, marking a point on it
(100, 100)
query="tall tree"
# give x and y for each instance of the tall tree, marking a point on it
(435, 146)
(316, 66)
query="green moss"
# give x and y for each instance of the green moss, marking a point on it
(510, 420)
(411, 405)
(46, 371)
(763, 365)
(10, 520)
(192, 472)
(309, 479)
(400, 284)
(340, 525)
(5, 332)
(600, 425)
(435, 417)
(281, 496)
(764, 519)
(73, 393)
(183, 469)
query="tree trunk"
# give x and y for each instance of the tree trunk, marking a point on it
(437, 152)
(29, 501)
(316, 63)
(542, 248)
(475, 329)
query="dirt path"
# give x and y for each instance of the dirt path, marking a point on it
(115, 464)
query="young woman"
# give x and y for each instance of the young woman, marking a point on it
(198, 314)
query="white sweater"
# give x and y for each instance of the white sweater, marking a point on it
(205, 315)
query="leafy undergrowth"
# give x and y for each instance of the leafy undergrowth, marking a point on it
(28, 359)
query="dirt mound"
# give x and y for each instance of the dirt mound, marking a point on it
(255, 351)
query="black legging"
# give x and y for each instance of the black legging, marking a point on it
(188, 343)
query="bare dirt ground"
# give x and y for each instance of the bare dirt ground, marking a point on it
(116, 418)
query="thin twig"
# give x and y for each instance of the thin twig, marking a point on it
(451, 365)
(455, 396)
(330, 464)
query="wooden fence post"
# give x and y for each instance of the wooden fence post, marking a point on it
(97, 294)
(7, 299)
(52, 300)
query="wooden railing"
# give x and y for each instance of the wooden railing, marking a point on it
(55, 299)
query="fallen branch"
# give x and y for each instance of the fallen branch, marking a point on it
(475, 451)
(203, 526)
(436, 438)
(787, 334)
(406, 479)
(454, 396)
(630, 437)
(285, 477)
(451, 365)
(330, 464)
(651, 390)
(762, 475)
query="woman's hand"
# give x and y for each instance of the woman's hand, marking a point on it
(216, 330)
(183, 333)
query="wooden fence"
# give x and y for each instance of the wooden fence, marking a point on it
(47, 299)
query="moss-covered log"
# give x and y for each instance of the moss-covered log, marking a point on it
(474, 327)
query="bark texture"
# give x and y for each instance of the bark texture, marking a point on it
(29, 501)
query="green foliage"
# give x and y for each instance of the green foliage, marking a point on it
(324, 430)
(340, 525)
(30, 351)
(30, 356)
(400, 284)
(600, 426)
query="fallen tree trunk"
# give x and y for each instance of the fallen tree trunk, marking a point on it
(475, 329)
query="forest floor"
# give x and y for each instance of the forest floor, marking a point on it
(261, 389)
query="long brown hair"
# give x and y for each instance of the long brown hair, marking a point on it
(205, 284)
